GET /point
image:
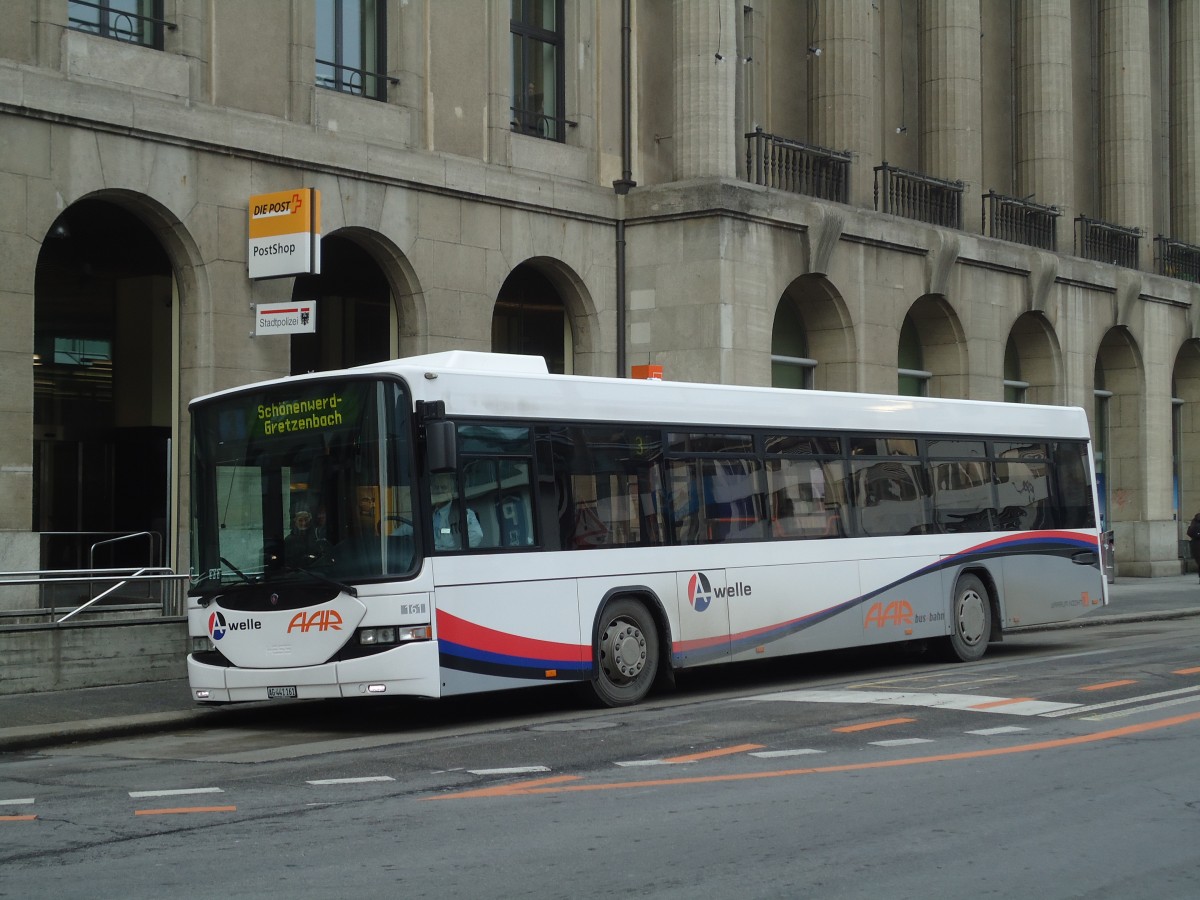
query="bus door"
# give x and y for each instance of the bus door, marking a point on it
(703, 596)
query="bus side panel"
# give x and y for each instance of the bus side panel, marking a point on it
(803, 608)
(1042, 587)
(703, 602)
(510, 634)
(903, 599)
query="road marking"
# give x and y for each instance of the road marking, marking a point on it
(1194, 671)
(139, 795)
(560, 785)
(644, 762)
(363, 780)
(1108, 684)
(867, 726)
(18, 818)
(513, 770)
(776, 754)
(1117, 714)
(1010, 706)
(1128, 701)
(1003, 729)
(183, 810)
(25, 801)
(900, 742)
(712, 754)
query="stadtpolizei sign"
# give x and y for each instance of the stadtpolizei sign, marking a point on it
(285, 234)
(285, 318)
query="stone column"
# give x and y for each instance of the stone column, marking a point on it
(706, 69)
(1126, 159)
(842, 98)
(951, 120)
(1044, 109)
(1185, 120)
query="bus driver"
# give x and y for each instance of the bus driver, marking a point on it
(444, 493)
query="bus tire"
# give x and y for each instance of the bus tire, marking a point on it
(627, 653)
(970, 620)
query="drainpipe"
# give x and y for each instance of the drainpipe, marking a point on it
(625, 183)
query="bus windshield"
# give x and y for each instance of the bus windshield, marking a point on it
(308, 480)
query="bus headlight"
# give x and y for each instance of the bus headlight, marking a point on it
(392, 634)
(202, 644)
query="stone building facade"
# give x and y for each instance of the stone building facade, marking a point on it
(992, 199)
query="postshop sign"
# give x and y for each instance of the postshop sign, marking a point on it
(285, 234)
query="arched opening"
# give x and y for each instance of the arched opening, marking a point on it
(530, 318)
(1117, 423)
(812, 339)
(931, 353)
(354, 310)
(1032, 362)
(104, 391)
(1185, 435)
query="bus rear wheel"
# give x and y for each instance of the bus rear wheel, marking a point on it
(970, 620)
(627, 653)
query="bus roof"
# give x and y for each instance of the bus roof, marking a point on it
(519, 387)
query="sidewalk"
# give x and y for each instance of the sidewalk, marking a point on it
(60, 717)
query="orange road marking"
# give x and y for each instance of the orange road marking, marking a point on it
(1194, 671)
(709, 754)
(1108, 684)
(529, 788)
(867, 726)
(505, 789)
(17, 818)
(994, 703)
(180, 810)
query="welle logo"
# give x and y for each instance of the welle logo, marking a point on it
(701, 593)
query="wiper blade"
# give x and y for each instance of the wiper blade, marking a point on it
(242, 575)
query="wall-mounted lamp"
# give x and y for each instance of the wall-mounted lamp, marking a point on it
(814, 50)
(901, 129)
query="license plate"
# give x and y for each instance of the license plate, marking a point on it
(281, 693)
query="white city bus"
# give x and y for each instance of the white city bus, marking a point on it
(466, 522)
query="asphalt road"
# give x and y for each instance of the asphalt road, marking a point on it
(1062, 765)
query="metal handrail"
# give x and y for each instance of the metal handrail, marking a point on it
(155, 545)
(169, 606)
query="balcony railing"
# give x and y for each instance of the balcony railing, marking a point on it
(789, 165)
(1105, 242)
(916, 196)
(1177, 259)
(1020, 221)
(118, 24)
(350, 80)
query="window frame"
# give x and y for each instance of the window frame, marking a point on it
(373, 82)
(151, 26)
(528, 39)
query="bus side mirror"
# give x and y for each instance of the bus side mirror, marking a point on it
(441, 446)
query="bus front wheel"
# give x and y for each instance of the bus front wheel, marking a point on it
(970, 620)
(627, 653)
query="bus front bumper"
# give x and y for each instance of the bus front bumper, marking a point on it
(410, 670)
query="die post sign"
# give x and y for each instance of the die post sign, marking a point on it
(285, 234)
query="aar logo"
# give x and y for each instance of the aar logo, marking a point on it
(700, 592)
(216, 626)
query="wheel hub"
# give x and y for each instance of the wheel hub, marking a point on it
(971, 617)
(625, 649)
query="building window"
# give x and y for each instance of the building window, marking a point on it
(350, 47)
(538, 69)
(912, 379)
(132, 21)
